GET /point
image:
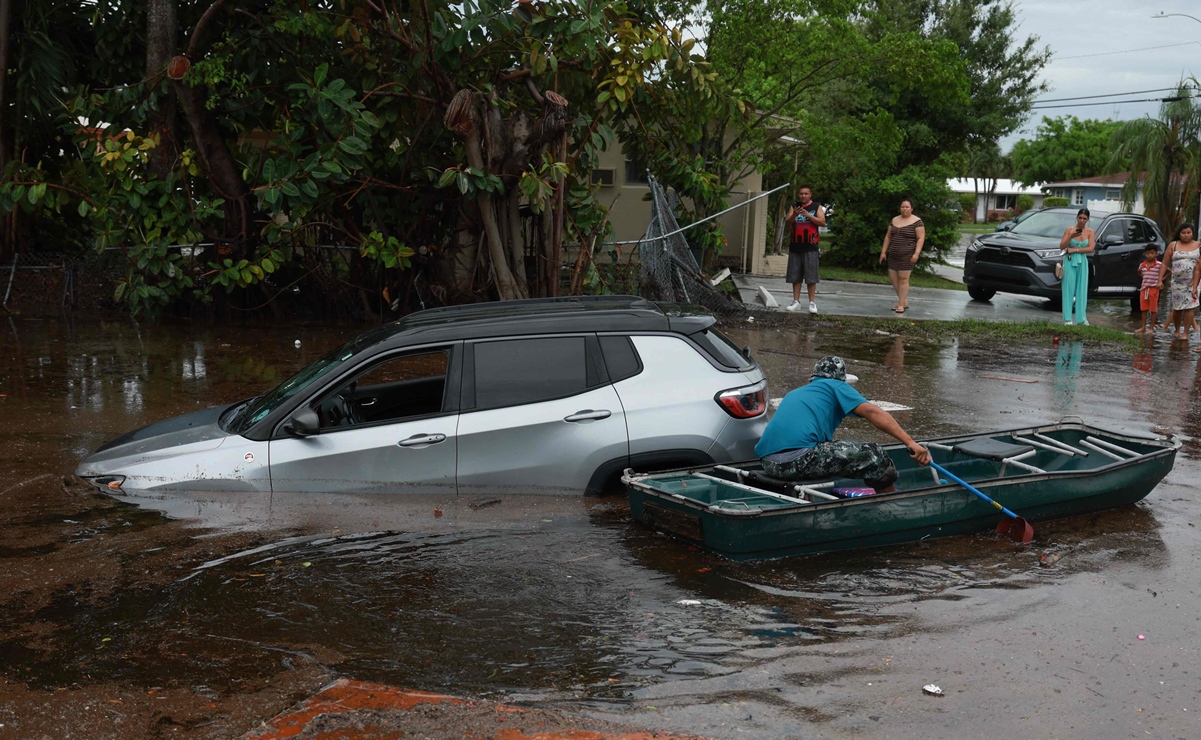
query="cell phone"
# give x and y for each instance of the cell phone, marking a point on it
(1079, 229)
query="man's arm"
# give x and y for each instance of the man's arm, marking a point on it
(882, 420)
(818, 216)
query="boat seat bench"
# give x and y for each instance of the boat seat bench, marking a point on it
(991, 449)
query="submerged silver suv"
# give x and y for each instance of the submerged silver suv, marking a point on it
(550, 395)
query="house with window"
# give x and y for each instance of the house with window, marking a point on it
(1101, 193)
(624, 190)
(995, 197)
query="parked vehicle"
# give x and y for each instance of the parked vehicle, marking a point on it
(553, 395)
(1009, 224)
(1023, 259)
(1037, 473)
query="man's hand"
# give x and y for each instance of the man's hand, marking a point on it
(920, 454)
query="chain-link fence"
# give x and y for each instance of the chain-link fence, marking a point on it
(669, 269)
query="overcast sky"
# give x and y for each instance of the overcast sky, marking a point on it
(1109, 46)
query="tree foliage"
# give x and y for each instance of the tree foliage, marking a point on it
(1065, 148)
(408, 153)
(1166, 151)
(448, 144)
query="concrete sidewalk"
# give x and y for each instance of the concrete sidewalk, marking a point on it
(870, 299)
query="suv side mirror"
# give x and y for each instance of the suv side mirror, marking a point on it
(1112, 240)
(304, 422)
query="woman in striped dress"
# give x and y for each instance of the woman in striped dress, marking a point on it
(902, 246)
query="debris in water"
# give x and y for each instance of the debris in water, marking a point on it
(932, 689)
(688, 602)
(1142, 637)
(1049, 560)
(484, 504)
(437, 512)
(296, 344)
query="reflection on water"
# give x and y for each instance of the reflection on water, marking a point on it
(1067, 370)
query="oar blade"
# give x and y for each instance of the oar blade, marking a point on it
(1018, 529)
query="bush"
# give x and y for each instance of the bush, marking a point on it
(865, 211)
(1024, 203)
(1052, 201)
(967, 202)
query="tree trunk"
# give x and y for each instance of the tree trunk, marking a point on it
(223, 171)
(556, 236)
(506, 287)
(160, 45)
(7, 242)
(516, 244)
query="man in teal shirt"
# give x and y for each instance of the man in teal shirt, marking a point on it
(799, 443)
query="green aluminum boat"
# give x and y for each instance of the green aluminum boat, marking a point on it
(1040, 473)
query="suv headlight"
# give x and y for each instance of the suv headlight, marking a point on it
(974, 245)
(1049, 254)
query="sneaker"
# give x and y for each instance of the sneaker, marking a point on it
(1084, 323)
(812, 307)
(1069, 323)
(794, 306)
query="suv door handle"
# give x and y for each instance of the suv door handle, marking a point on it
(418, 440)
(589, 415)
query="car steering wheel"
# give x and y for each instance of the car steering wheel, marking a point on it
(340, 412)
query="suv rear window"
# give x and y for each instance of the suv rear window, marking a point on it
(721, 349)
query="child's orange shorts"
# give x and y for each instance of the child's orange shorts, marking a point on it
(1148, 299)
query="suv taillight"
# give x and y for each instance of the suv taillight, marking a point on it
(746, 402)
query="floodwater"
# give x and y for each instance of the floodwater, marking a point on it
(1091, 631)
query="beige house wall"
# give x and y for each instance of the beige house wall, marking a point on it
(745, 229)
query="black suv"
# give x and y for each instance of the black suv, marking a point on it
(1023, 260)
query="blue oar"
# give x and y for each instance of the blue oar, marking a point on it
(1015, 526)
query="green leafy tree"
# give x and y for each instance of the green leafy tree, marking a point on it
(1065, 148)
(448, 145)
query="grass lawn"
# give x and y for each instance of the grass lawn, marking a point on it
(973, 331)
(977, 228)
(917, 279)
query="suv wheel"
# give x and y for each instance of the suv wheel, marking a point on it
(981, 294)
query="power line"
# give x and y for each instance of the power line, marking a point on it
(1129, 51)
(1114, 102)
(1108, 95)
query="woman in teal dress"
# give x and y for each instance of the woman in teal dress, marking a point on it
(1077, 243)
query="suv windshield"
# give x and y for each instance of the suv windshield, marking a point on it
(1052, 223)
(258, 408)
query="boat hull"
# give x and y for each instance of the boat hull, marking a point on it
(778, 529)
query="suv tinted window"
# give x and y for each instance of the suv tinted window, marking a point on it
(621, 359)
(1116, 227)
(720, 348)
(1140, 232)
(518, 371)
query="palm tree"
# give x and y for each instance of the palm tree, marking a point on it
(1165, 153)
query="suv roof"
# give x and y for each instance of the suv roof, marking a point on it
(542, 316)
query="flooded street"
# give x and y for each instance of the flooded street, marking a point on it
(118, 621)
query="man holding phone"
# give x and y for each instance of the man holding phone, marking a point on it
(803, 219)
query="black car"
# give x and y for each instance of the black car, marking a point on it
(1023, 259)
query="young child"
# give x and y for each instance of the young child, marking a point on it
(1148, 295)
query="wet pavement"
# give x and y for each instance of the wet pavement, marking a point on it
(839, 298)
(116, 621)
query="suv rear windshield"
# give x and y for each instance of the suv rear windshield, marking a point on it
(1053, 223)
(721, 349)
